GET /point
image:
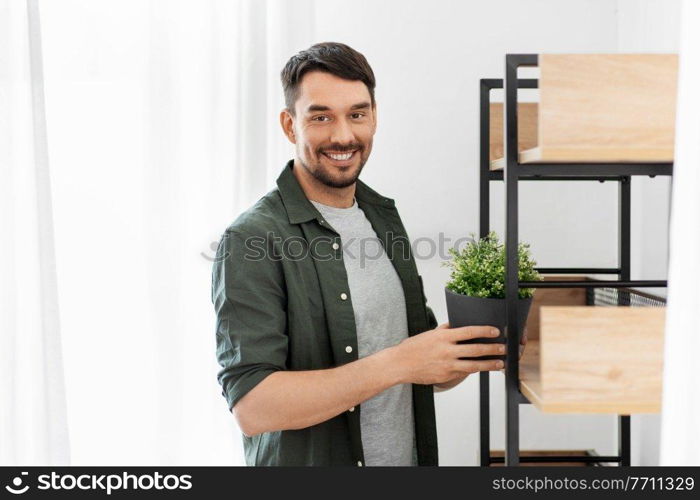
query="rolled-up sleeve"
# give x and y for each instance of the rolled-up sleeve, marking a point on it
(249, 299)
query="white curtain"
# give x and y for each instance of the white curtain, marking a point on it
(680, 435)
(33, 427)
(162, 126)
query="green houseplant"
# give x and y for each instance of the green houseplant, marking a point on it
(475, 294)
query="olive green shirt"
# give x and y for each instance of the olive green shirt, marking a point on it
(282, 302)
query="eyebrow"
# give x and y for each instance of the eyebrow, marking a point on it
(321, 107)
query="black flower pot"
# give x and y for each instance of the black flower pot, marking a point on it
(463, 310)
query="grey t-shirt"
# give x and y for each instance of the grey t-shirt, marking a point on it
(386, 420)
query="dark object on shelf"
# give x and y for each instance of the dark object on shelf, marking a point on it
(559, 458)
(463, 310)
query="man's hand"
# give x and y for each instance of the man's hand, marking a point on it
(432, 357)
(455, 381)
(458, 380)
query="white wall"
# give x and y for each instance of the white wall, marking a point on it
(649, 26)
(428, 58)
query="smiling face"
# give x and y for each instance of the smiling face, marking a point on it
(333, 127)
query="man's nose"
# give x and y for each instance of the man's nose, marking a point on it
(342, 133)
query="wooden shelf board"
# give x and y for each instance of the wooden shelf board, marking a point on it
(497, 164)
(596, 108)
(554, 297)
(588, 155)
(625, 377)
(527, 127)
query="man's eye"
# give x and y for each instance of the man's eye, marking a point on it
(358, 115)
(319, 118)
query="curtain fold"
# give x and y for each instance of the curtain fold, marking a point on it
(158, 140)
(33, 418)
(680, 437)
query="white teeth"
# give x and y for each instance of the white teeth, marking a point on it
(345, 156)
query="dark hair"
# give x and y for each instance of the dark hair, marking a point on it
(331, 57)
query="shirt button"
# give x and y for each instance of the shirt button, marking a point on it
(359, 463)
(352, 409)
(348, 349)
(335, 246)
(344, 296)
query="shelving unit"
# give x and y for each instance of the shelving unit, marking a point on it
(630, 117)
(595, 167)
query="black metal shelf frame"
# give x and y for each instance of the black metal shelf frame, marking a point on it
(513, 173)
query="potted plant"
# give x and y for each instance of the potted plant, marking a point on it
(475, 294)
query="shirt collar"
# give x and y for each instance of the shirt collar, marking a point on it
(300, 209)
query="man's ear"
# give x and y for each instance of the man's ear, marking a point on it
(374, 117)
(287, 123)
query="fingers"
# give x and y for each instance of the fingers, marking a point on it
(472, 332)
(464, 366)
(523, 340)
(476, 350)
(475, 331)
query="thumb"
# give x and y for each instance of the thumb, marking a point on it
(443, 326)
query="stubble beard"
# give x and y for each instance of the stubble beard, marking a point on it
(323, 174)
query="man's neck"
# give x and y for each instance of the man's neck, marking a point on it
(317, 191)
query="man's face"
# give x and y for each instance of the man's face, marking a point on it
(333, 128)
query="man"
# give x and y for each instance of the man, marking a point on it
(329, 352)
